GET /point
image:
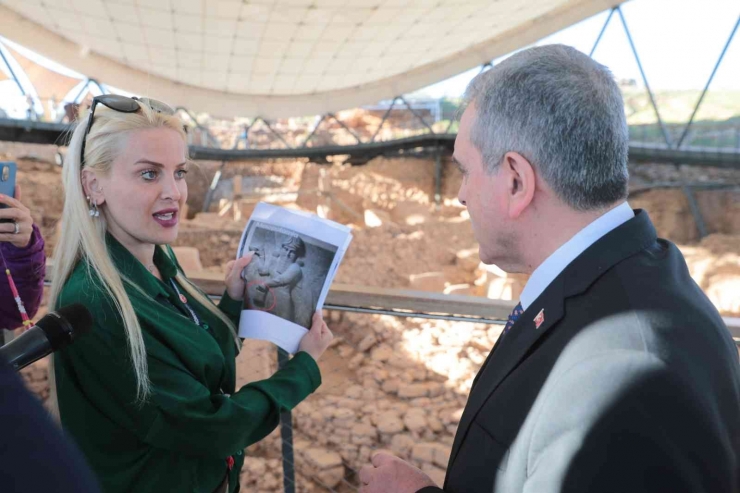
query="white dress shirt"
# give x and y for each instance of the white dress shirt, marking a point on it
(563, 256)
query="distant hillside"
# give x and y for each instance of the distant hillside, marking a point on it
(676, 106)
(717, 123)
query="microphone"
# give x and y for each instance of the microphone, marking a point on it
(54, 331)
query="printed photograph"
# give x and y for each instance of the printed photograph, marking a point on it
(287, 273)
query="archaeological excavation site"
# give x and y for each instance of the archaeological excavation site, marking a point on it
(501, 321)
(390, 381)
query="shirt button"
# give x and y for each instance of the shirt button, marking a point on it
(239, 453)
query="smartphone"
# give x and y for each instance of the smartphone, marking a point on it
(7, 182)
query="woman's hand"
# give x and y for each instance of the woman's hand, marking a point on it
(317, 339)
(21, 219)
(234, 282)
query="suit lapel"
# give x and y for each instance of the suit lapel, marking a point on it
(508, 352)
(623, 242)
(488, 358)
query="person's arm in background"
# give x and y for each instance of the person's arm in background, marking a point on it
(24, 256)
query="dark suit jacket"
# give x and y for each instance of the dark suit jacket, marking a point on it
(34, 455)
(631, 383)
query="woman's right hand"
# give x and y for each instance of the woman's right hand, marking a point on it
(234, 280)
(317, 339)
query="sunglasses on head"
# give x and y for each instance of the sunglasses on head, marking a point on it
(122, 104)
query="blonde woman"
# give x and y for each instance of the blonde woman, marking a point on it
(150, 395)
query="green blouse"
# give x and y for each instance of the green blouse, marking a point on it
(180, 437)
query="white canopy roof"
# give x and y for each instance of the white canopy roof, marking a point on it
(276, 58)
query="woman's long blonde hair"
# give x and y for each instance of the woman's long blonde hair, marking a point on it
(83, 237)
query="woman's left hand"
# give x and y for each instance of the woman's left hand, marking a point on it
(20, 217)
(234, 281)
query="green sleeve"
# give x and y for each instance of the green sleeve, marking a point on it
(231, 308)
(193, 420)
(181, 414)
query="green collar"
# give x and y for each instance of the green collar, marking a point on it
(133, 270)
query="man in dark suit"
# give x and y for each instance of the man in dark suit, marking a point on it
(614, 372)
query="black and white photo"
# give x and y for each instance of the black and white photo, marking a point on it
(287, 272)
(294, 258)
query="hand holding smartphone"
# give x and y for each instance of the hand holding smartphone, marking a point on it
(7, 184)
(16, 223)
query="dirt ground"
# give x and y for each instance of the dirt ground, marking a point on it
(391, 383)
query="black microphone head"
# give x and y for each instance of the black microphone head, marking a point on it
(66, 324)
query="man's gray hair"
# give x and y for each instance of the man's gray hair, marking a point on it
(564, 113)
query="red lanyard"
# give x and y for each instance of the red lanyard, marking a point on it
(22, 309)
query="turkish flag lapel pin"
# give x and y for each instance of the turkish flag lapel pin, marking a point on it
(539, 319)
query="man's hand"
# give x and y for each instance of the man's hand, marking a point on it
(389, 474)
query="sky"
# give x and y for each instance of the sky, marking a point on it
(678, 42)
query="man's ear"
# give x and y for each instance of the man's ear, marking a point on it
(520, 182)
(92, 187)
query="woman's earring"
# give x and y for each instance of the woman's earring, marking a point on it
(93, 211)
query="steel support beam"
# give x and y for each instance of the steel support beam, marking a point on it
(56, 134)
(695, 211)
(94, 81)
(385, 117)
(313, 130)
(344, 126)
(482, 69)
(663, 129)
(10, 69)
(35, 132)
(209, 136)
(601, 33)
(274, 132)
(212, 188)
(367, 150)
(418, 116)
(706, 87)
(286, 433)
(438, 176)
(81, 91)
